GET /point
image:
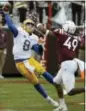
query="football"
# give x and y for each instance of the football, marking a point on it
(6, 7)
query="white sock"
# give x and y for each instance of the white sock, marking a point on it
(62, 101)
(49, 99)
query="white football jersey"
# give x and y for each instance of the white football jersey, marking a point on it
(23, 44)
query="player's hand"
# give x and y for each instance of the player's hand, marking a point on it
(43, 63)
(41, 40)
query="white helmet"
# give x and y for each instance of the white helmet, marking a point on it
(69, 27)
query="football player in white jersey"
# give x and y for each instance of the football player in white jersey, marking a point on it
(24, 42)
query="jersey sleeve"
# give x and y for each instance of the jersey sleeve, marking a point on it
(36, 47)
(11, 25)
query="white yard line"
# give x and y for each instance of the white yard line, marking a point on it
(82, 103)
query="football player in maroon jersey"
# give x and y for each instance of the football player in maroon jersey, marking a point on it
(3, 45)
(67, 47)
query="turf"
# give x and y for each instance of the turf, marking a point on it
(16, 94)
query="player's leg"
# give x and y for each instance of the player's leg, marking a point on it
(41, 70)
(59, 91)
(69, 78)
(33, 79)
(69, 84)
(58, 81)
(49, 78)
(75, 91)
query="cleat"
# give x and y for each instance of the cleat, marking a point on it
(53, 102)
(61, 108)
(1, 77)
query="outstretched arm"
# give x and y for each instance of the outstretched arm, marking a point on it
(11, 25)
(45, 32)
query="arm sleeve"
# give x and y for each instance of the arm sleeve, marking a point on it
(38, 49)
(11, 25)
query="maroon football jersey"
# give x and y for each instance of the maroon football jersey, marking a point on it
(3, 38)
(67, 46)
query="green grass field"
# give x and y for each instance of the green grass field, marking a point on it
(16, 94)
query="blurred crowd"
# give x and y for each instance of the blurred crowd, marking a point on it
(60, 10)
(57, 12)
